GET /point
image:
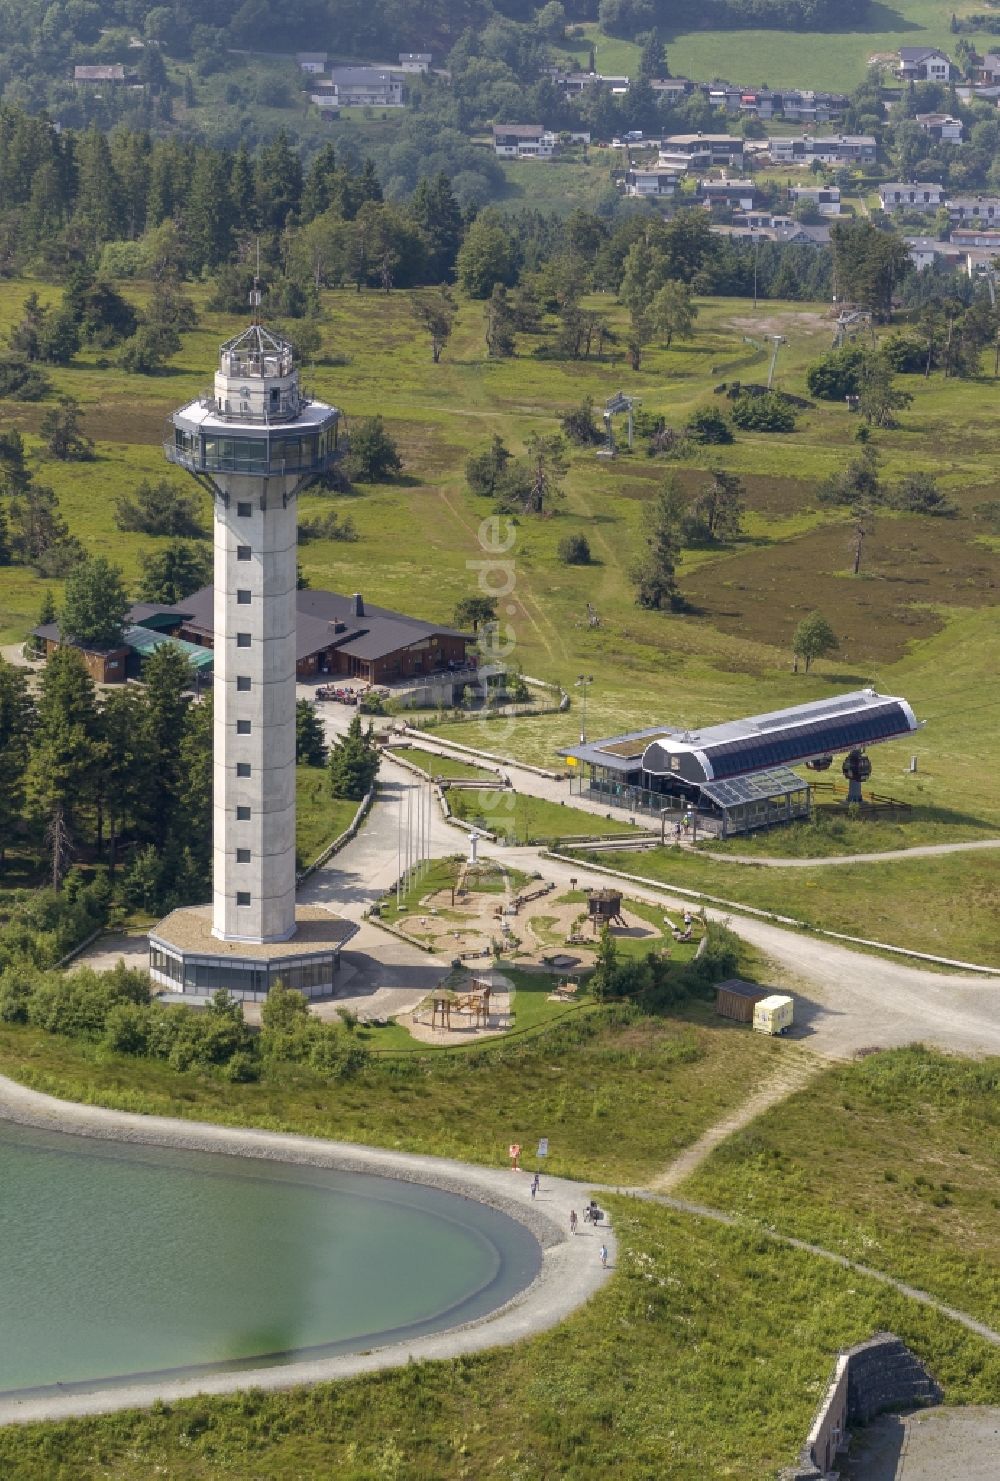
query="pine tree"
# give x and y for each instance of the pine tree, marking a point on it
(323, 184)
(436, 211)
(95, 602)
(167, 676)
(175, 572)
(310, 743)
(499, 316)
(210, 217)
(354, 762)
(99, 205)
(65, 753)
(16, 724)
(655, 573)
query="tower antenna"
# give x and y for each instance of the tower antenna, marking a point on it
(255, 292)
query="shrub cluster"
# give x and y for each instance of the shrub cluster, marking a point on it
(655, 982)
(113, 1010)
(48, 924)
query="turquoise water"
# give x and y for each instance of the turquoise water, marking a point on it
(119, 1261)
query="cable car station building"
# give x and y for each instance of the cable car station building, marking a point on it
(737, 775)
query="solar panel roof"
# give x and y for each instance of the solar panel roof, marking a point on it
(756, 788)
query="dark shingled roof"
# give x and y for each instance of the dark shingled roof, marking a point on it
(373, 634)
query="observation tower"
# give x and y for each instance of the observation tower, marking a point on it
(254, 442)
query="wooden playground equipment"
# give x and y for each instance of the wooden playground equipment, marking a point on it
(474, 1003)
(605, 909)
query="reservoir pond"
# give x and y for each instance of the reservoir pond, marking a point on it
(122, 1262)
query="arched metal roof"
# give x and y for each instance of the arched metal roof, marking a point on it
(782, 738)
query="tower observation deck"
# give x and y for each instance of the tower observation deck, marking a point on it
(255, 441)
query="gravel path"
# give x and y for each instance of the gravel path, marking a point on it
(571, 1270)
(791, 1076)
(919, 851)
(912, 1293)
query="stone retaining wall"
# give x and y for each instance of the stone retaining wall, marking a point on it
(869, 1379)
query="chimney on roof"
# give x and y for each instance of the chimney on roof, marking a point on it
(357, 605)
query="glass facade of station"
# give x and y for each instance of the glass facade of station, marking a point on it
(246, 979)
(278, 452)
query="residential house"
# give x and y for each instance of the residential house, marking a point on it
(974, 208)
(759, 103)
(312, 62)
(415, 61)
(826, 198)
(523, 141)
(942, 126)
(362, 87)
(674, 88)
(736, 195)
(972, 236)
(925, 251)
(725, 97)
(650, 183)
(924, 64)
(574, 83)
(114, 72)
(782, 231)
(697, 150)
(920, 195)
(835, 149)
(988, 70)
(811, 107)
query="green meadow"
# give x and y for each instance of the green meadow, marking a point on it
(921, 620)
(834, 60)
(892, 1160)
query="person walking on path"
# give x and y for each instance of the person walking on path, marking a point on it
(572, 1221)
(536, 1183)
(604, 1256)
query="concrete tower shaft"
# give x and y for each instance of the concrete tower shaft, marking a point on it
(255, 442)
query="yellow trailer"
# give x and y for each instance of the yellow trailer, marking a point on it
(773, 1015)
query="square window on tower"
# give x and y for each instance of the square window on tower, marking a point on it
(244, 511)
(242, 597)
(243, 815)
(243, 640)
(243, 682)
(243, 552)
(243, 727)
(243, 897)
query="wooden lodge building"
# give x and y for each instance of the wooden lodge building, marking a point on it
(342, 635)
(335, 636)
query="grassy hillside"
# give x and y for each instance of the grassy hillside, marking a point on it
(921, 619)
(834, 60)
(892, 1160)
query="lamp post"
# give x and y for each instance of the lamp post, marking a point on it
(583, 681)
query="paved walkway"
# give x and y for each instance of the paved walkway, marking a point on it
(939, 1444)
(845, 999)
(553, 790)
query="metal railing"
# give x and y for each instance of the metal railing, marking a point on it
(288, 408)
(196, 461)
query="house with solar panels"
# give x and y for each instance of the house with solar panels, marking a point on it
(737, 776)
